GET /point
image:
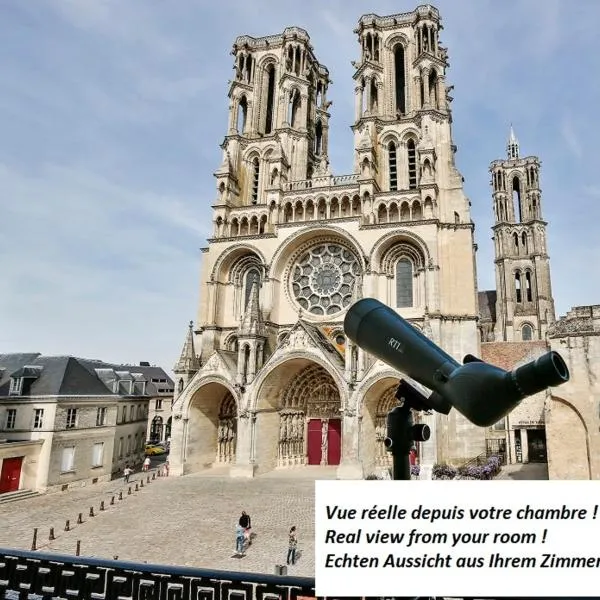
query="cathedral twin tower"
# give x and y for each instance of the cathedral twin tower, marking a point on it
(275, 383)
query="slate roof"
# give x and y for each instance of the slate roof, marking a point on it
(73, 376)
(487, 305)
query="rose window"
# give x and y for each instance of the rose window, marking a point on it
(323, 279)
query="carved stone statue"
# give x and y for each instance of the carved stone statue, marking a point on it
(324, 440)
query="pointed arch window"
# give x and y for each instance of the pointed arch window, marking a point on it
(399, 70)
(270, 93)
(516, 190)
(518, 290)
(318, 138)
(252, 276)
(255, 180)
(526, 333)
(404, 283)
(528, 292)
(242, 115)
(412, 164)
(179, 389)
(393, 166)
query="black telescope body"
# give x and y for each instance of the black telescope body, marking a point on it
(481, 392)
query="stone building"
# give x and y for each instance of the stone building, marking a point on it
(572, 412)
(516, 316)
(274, 382)
(69, 421)
(159, 408)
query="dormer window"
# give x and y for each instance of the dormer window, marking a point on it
(16, 386)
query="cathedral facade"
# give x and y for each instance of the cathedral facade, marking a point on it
(267, 378)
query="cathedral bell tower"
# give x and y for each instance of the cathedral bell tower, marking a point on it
(524, 305)
(278, 128)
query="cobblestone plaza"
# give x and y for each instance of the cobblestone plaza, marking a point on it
(188, 521)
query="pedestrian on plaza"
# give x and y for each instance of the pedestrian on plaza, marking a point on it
(146, 464)
(239, 540)
(167, 468)
(127, 473)
(292, 545)
(246, 524)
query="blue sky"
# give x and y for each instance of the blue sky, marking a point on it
(111, 114)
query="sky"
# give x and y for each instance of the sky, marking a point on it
(111, 116)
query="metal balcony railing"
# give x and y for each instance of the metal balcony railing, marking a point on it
(39, 576)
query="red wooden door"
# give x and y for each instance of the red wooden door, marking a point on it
(10, 476)
(334, 442)
(314, 442)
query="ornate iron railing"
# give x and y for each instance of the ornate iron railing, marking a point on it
(38, 576)
(35, 575)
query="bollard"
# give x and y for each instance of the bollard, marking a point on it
(80, 519)
(112, 500)
(129, 491)
(102, 505)
(137, 487)
(67, 525)
(34, 542)
(148, 479)
(141, 483)
(120, 495)
(159, 473)
(51, 536)
(153, 475)
(78, 550)
(92, 511)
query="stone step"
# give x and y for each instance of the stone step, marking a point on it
(18, 495)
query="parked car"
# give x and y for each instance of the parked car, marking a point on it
(154, 450)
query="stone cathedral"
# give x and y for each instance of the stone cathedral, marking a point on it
(267, 378)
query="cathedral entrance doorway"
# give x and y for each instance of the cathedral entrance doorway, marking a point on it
(324, 441)
(309, 420)
(211, 428)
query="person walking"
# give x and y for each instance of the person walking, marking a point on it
(127, 473)
(146, 464)
(246, 524)
(292, 545)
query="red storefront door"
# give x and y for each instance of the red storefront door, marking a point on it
(314, 442)
(10, 476)
(334, 442)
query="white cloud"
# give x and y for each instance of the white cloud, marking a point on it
(571, 137)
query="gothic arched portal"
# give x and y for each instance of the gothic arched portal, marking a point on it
(310, 420)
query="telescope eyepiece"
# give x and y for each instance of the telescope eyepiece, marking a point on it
(546, 371)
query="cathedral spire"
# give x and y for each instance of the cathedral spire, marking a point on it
(252, 323)
(188, 361)
(512, 148)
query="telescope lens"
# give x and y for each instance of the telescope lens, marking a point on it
(547, 371)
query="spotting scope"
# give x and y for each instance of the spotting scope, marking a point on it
(481, 392)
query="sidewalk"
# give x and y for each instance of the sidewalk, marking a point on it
(524, 472)
(53, 509)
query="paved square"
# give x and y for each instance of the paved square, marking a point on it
(187, 521)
